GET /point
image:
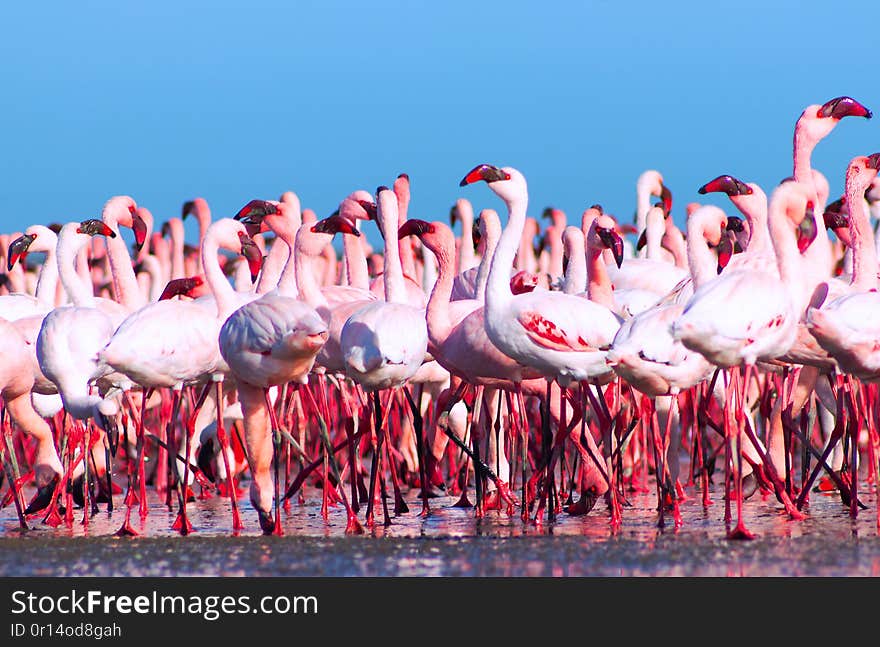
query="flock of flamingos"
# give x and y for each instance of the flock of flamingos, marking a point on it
(533, 373)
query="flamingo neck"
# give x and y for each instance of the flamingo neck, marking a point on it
(309, 290)
(599, 288)
(395, 288)
(643, 206)
(275, 267)
(788, 259)
(485, 265)
(466, 247)
(437, 310)
(554, 236)
(356, 261)
(498, 292)
(575, 280)
(755, 212)
(864, 252)
(222, 289)
(203, 216)
(47, 281)
(177, 243)
(125, 285)
(69, 247)
(674, 243)
(818, 254)
(702, 263)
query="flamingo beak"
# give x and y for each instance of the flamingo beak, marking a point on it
(725, 184)
(252, 255)
(874, 161)
(734, 223)
(612, 240)
(333, 225)
(140, 231)
(485, 172)
(547, 213)
(453, 215)
(841, 107)
(415, 227)
(183, 286)
(94, 227)
(18, 250)
(188, 207)
(806, 231)
(725, 253)
(476, 236)
(642, 241)
(371, 208)
(666, 198)
(254, 211)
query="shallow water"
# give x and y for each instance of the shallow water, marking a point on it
(451, 542)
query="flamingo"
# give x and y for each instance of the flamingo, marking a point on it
(563, 337)
(173, 343)
(384, 343)
(268, 342)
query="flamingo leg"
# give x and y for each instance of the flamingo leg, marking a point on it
(276, 464)
(224, 450)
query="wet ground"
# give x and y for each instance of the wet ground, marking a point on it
(451, 542)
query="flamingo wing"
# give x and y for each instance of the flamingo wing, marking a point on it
(546, 333)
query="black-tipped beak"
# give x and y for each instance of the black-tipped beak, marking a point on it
(18, 250)
(725, 184)
(841, 107)
(254, 211)
(642, 241)
(806, 231)
(94, 227)
(140, 231)
(334, 225)
(485, 172)
(734, 223)
(414, 227)
(252, 255)
(666, 198)
(612, 240)
(188, 207)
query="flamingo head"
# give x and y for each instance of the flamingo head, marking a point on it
(251, 253)
(506, 182)
(401, 190)
(836, 218)
(725, 184)
(254, 213)
(726, 248)
(609, 238)
(734, 223)
(818, 121)
(181, 287)
(194, 207)
(18, 250)
(862, 171)
(94, 227)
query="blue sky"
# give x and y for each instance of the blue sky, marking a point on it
(166, 101)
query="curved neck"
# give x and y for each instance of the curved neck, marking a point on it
(69, 246)
(673, 242)
(275, 266)
(125, 285)
(864, 252)
(754, 209)
(437, 310)
(788, 260)
(702, 262)
(498, 286)
(222, 289)
(47, 281)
